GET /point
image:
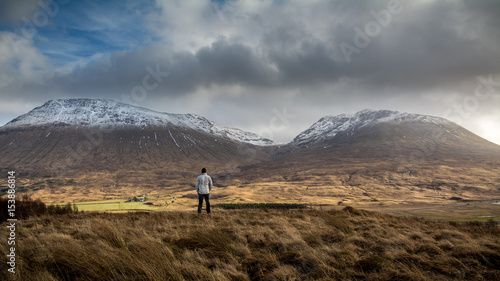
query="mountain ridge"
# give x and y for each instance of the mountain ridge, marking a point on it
(337, 158)
(375, 125)
(331, 125)
(107, 113)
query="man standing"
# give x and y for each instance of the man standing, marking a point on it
(203, 187)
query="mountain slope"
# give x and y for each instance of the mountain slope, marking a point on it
(80, 138)
(391, 132)
(102, 148)
(381, 154)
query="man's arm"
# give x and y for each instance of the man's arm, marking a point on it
(197, 186)
(210, 183)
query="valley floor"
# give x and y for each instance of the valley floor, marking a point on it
(447, 210)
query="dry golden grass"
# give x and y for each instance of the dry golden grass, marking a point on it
(252, 245)
(355, 184)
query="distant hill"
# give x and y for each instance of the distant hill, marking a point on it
(372, 155)
(78, 137)
(96, 143)
(109, 114)
(370, 127)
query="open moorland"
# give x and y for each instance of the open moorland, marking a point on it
(432, 191)
(383, 161)
(347, 244)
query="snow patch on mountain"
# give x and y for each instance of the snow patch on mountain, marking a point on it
(330, 126)
(108, 113)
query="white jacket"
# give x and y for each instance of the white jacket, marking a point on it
(204, 184)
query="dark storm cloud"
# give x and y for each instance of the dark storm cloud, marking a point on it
(278, 52)
(299, 57)
(485, 11)
(226, 63)
(430, 49)
(424, 45)
(222, 62)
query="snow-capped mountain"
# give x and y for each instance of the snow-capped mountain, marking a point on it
(329, 126)
(108, 145)
(109, 114)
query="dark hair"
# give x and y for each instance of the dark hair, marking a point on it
(203, 170)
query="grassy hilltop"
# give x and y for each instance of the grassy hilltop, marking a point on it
(252, 245)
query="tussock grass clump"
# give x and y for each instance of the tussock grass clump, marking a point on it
(252, 245)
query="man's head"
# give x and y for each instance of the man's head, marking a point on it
(203, 170)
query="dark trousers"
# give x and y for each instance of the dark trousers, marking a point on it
(200, 202)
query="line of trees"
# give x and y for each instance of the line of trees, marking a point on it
(26, 207)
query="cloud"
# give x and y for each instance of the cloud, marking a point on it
(225, 62)
(250, 57)
(13, 11)
(20, 61)
(424, 46)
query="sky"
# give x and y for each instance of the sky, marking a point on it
(272, 67)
